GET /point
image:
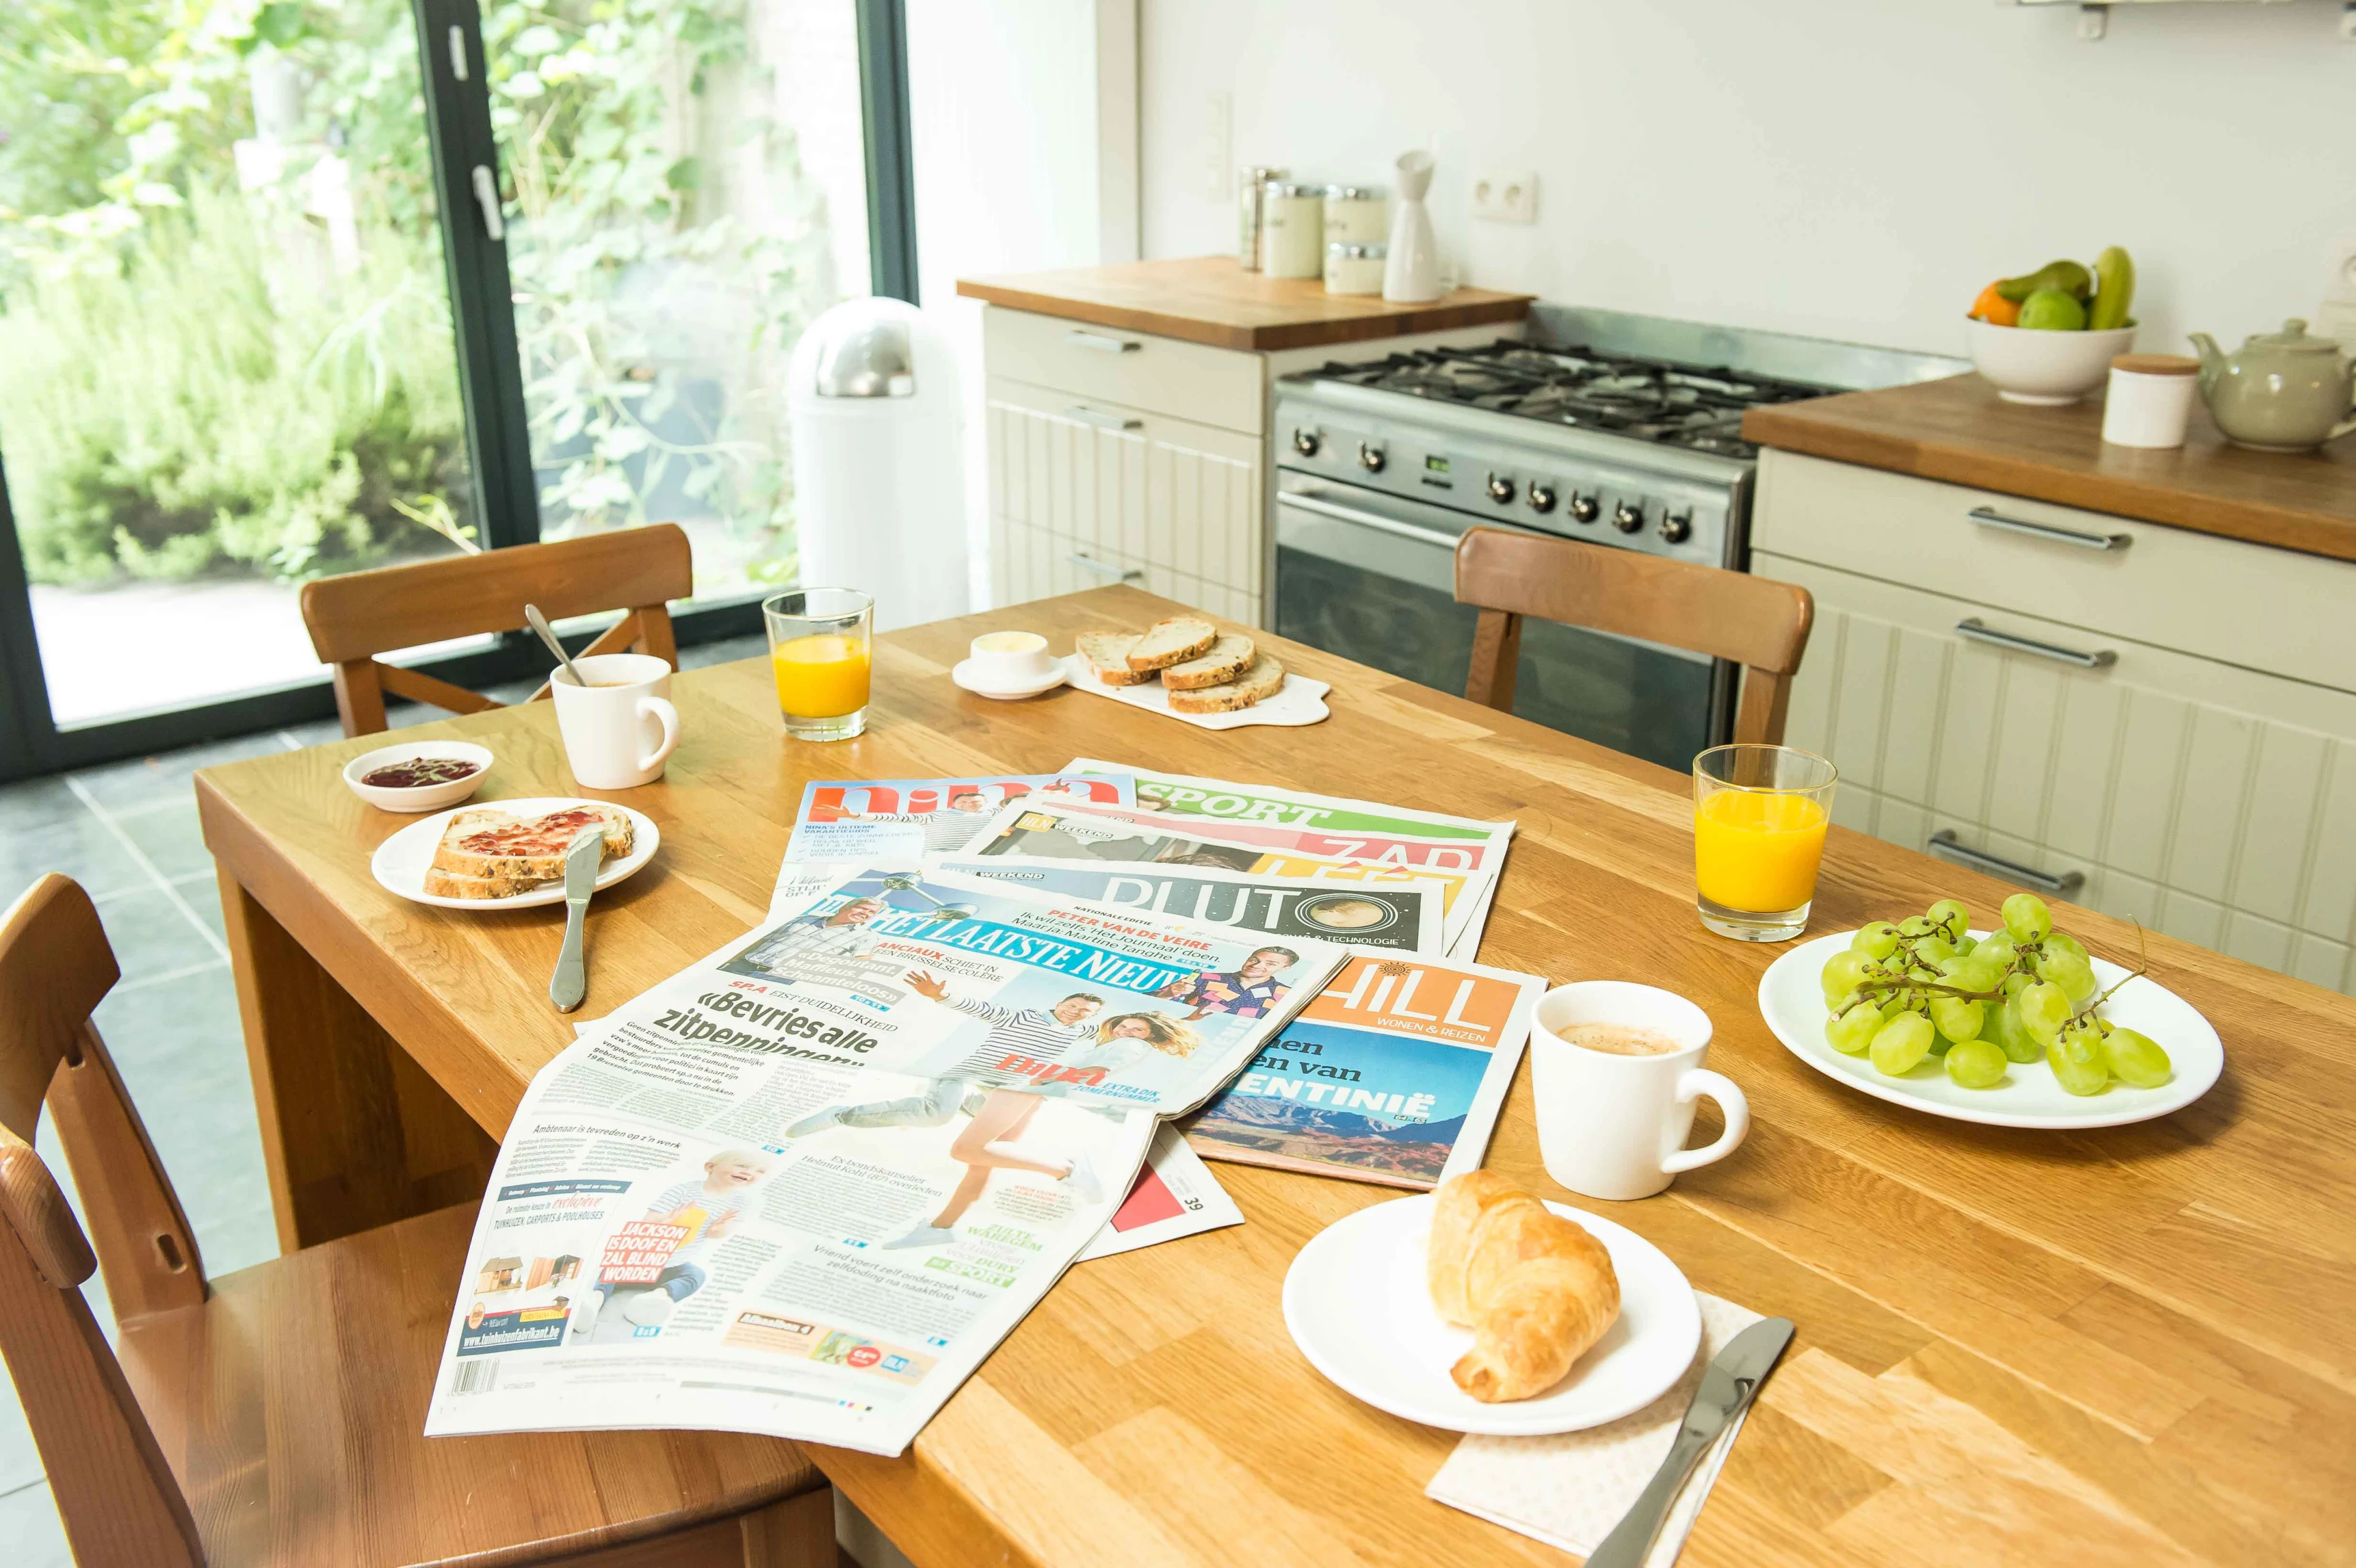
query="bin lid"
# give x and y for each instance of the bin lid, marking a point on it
(864, 358)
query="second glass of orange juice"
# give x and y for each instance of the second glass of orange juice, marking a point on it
(1759, 816)
(820, 642)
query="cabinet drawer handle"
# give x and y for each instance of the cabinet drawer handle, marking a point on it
(1107, 569)
(2054, 532)
(2064, 885)
(1102, 419)
(1102, 343)
(1978, 632)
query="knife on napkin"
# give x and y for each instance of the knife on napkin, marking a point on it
(582, 859)
(1727, 1384)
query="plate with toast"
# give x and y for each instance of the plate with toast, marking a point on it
(508, 854)
(1186, 667)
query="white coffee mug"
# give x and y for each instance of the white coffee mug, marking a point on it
(620, 728)
(1612, 1125)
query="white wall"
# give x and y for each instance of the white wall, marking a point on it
(1017, 167)
(1843, 168)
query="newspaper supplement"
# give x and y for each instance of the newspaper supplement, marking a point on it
(1097, 836)
(1174, 1196)
(1394, 1073)
(804, 1187)
(884, 822)
(1326, 824)
(1404, 916)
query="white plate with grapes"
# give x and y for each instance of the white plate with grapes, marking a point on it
(2016, 1028)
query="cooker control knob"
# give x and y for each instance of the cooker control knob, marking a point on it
(1583, 507)
(1541, 497)
(1370, 457)
(1676, 526)
(1627, 518)
(1501, 490)
(1305, 441)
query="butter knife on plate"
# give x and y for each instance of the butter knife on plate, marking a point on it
(1727, 1384)
(582, 858)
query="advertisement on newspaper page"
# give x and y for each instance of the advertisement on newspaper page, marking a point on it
(1394, 1073)
(806, 1184)
(1405, 916)
(1326, 824)
(1098, 836)
(1175, 1195)
(890, 822)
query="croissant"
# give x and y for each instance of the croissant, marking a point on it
(1535, 1289)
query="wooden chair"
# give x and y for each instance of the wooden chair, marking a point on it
(276, 1418)
(1753, 620)
(355, 617)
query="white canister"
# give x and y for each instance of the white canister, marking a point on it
(1360, 214)
(2150, 400)
(1354, 268)
(1292, 230)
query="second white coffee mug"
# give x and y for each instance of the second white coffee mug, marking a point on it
(1612, 1125)
(620, 728)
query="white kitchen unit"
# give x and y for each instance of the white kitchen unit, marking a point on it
(1118, 456)
(2156, 722)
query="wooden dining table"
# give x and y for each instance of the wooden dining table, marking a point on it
(2130, 1345)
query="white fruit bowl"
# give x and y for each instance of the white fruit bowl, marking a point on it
(2051, 368)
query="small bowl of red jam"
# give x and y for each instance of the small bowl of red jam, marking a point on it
(418, 775)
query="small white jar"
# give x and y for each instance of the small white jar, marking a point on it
(1357, 213)
(1355, 268)
(2149, 402)
(1292, 230)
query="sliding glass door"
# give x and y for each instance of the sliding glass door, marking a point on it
(324, 284)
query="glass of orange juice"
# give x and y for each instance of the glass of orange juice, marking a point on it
(820, 639)
(1760, 816)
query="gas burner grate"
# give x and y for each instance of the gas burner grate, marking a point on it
(1696, 407)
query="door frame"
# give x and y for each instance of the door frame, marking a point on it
(490, 377)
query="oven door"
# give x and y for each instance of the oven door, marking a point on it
(1372, 577)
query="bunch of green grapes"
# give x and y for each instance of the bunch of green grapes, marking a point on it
(1926, 988)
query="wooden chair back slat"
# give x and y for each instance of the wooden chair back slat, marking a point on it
(1754, 621)
(355, 618)
(115, 1490)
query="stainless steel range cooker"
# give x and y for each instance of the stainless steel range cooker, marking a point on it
(1620, 431)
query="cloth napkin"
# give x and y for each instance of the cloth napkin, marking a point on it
(1569, 1490)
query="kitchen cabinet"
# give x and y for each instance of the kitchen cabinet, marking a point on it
(2172, 718)
(1128, 415)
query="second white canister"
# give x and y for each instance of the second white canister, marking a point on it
(2149, 402)
(1292, 230)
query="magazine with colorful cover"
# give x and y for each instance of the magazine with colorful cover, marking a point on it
(1393, 1073)
(883, 822)
(1405, 916)
(1313, 823)
(1099, 835)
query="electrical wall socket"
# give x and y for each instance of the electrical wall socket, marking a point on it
(2339, 283)
(1509, 197)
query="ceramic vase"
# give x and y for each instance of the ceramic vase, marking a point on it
(1411, 272)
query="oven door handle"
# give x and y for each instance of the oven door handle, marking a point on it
(1380, 523)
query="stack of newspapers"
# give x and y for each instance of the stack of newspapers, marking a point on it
(805, 1185)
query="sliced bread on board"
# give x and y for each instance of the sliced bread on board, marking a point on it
(1172, 641)
(1107, 655)
(1259, 681)
(1228, 657)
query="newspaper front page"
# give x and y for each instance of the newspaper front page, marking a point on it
(804, 1187)
(1120, 836)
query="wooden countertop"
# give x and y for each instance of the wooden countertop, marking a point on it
(2132, 1344)
(1958, 429)
(1210, 299)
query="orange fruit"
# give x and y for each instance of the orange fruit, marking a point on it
(1994, 308)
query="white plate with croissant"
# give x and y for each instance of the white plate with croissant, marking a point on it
(1561, 1321)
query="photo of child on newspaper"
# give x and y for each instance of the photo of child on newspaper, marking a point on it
(1249, 992)
(828, 943)
(998, 1086)
(709, 1208)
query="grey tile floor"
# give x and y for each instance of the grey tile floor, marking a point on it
(127, 832)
